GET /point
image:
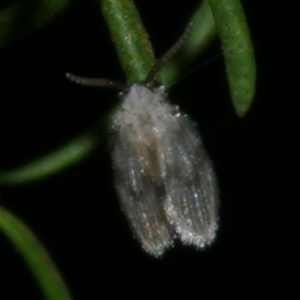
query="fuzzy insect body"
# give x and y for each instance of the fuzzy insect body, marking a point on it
(164, 178)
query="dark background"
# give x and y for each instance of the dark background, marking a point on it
(76, 214)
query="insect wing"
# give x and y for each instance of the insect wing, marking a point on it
(191, 202)
(141, 196)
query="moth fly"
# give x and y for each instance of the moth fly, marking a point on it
(164, 178)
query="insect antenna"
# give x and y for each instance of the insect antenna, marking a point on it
(97, 82)
(160, 62)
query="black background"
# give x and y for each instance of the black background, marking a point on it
(76, 214)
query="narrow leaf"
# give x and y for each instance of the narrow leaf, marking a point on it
(238, 51)
(26, 17)
(35, 255)
(129, 37)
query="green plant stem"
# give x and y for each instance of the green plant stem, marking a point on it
(238, 52)
(35, 255)
(26, 17)
(203, 32)
(129, 37)
(69, 154)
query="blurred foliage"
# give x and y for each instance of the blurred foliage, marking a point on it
(19, 19)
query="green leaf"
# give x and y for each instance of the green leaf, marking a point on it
(238, 51)
(26, 17)
(35, 255)
(69, 154)
(203, 32)
(129, 37)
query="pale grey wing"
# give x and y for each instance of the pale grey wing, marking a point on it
(191, 203)
(141, 195)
